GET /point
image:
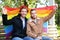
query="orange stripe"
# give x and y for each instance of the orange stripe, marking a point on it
(41, 12)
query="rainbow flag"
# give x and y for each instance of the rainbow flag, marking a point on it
(41, 12)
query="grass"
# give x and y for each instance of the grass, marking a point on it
(58, 29)
(59, 32)
(0, 13)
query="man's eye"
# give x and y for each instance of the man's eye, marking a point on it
(24, 11)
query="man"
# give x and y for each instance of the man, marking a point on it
(19, 23)
(35, 25)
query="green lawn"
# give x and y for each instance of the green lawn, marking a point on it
(0, 14)
(58, 28)
(59, 32)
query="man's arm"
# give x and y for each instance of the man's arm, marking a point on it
(5, 21)
(29, 32)
(40, 25)
(49, 16)
(4, 17)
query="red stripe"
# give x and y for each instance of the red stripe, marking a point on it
(46, 8)
(11, 9)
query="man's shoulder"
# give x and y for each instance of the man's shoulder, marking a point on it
(15, 17)
(40, 18)
(29, 20)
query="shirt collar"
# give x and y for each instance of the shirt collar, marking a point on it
(18, 16)
(32, 20)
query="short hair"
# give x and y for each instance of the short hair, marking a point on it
(32, 10)
(23, 7)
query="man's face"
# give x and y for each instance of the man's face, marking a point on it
(33, 14)
(23, 13)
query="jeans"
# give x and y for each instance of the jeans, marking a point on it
(29, 38)
(44, 38)
(25, 38)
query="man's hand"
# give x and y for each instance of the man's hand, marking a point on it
(39, 37)
(50, 15)
(4, 11)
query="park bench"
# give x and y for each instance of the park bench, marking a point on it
(4, 37)
(2, 34)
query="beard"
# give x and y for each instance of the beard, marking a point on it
(33, 17)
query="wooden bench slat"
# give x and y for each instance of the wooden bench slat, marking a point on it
(1, 26)
(2, 31)
(2, 34)
(5, 39)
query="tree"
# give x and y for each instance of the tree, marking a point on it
(58, 13)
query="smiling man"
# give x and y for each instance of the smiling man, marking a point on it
(35, 25)
(19, 23)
